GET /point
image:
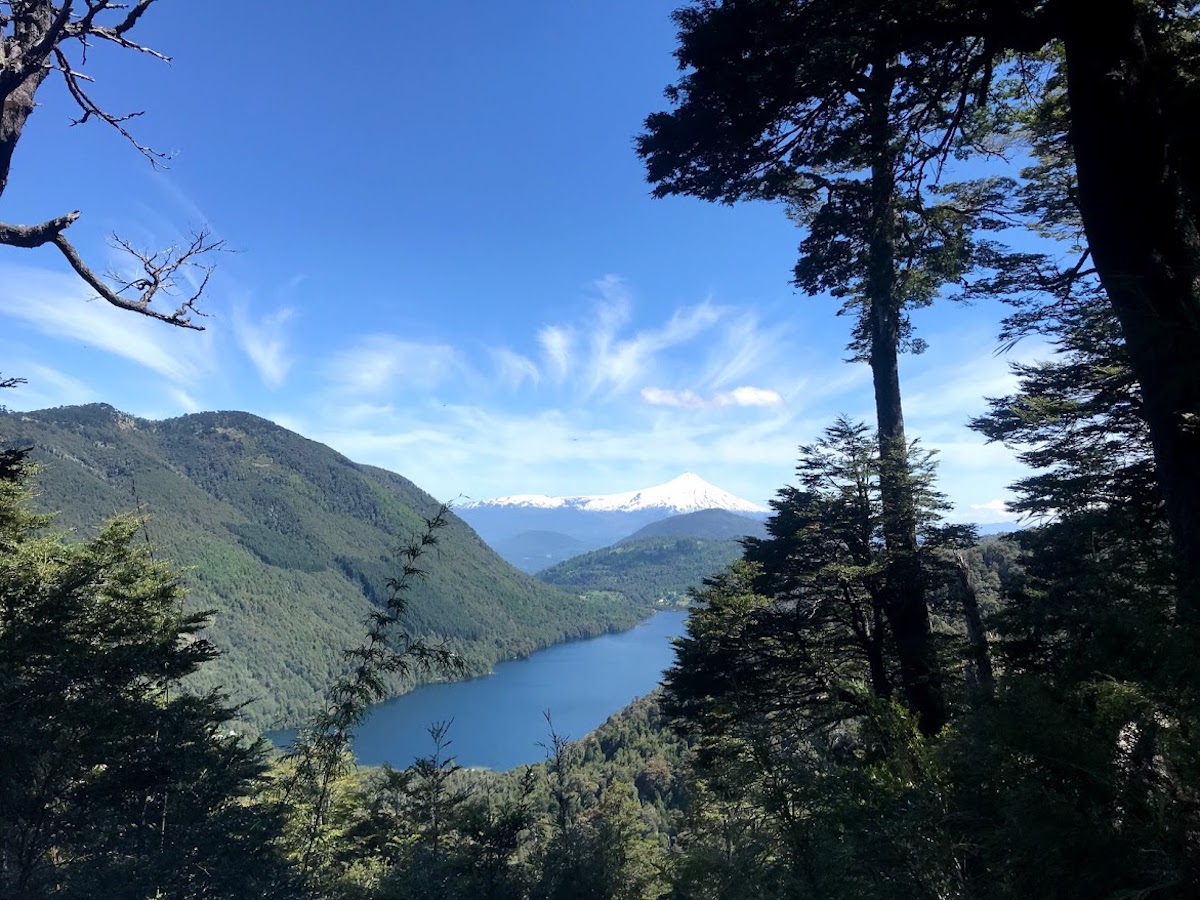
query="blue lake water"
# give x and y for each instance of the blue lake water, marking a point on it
(498, 721)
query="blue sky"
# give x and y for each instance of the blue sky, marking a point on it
(448, 260)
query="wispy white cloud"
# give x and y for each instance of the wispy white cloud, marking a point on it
(606, 353)
(615, 359)
(996, 508)
(744, 350)
(59, 305)
(513, 368)
(687, 399)
(657, 396)
(186, 402)
(617, 363)
(597, 356)
(381, 363)
(265, 341)
(602, 354)
(557, 344)
(748, 396)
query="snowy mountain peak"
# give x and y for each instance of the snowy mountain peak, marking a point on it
(686, 493)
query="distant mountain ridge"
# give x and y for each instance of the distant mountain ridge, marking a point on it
(594, 521)
(290, 544)
(685, 493)
(710, 524)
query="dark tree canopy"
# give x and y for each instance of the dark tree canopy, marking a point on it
(778, 103)
(771, 103)
(114, 779)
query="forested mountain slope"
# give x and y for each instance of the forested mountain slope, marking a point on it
(714, 524)
(289, 543)
(654, 570)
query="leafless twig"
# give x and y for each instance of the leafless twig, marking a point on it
(159, 275)
(159, 272)
(35, 36)
(91, 109)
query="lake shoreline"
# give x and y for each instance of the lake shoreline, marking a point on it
(498, 717)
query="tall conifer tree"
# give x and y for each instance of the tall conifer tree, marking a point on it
(849, 136)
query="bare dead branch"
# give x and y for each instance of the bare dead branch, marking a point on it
(160, 275)
(34, 38)
(91, 108)
(30, 236)
(86, 26)
(131, 17)
(159, 268)
(134, 15)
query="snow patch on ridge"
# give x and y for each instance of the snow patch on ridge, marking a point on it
(684, 494)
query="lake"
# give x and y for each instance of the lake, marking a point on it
(497, 720)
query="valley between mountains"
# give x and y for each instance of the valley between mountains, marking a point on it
(290, 545)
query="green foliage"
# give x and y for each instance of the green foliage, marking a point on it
(291, 547)
(321, 750)
(810, 776)
(1086, 749)
(713, 524)
(603, 855)
(593, 821)
(1078, 420)
(1075, 776)
(805, 782)
(646, 571)
(114, 780)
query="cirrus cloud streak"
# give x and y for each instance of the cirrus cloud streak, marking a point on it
(687, 399)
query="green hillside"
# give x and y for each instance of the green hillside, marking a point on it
(656, 570)
(713, 524)
(289, 544)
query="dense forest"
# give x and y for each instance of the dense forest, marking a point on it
(711, 524)
(653, 571)
(869, 702)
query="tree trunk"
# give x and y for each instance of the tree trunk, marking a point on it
(907, 610)
(1140, 214)
(881, 683)
(22, 70)
(982, 680)
(15, 108)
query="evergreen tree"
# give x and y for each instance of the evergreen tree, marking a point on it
(786, 682)
(849, 136)
(1076, 779)
(1128, 70)
(114, 780)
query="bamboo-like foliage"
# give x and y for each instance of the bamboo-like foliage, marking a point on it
(321, 752)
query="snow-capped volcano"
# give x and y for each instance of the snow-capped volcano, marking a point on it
(684, 494)
(587, 523)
